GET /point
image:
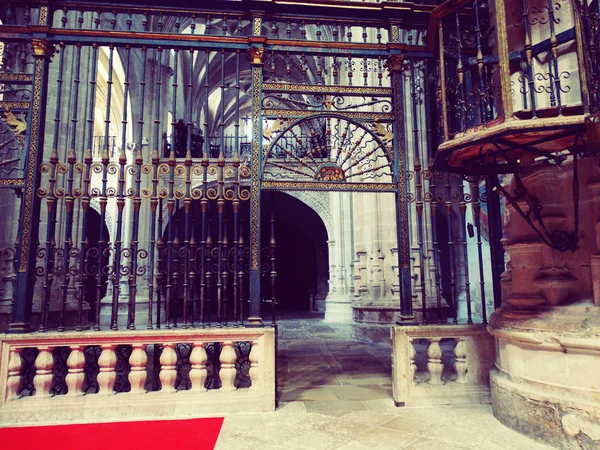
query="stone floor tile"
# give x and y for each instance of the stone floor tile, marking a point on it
(407, 425)
(343, 428)
(386, 439)
(432, 444)
(335, 393)
(316, 440)
(335, 409)
(367, 417)
(355, 445)
(308, 394)
(364, 392)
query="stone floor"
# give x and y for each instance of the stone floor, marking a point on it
(335, 393)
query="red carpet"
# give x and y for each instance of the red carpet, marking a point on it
(192, 434)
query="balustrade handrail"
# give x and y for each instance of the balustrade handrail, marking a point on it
(259, 361)
(127, 337)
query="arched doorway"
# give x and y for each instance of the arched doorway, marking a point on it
(301, 257)
(302, 253)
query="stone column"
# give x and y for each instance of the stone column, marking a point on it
(547, 331)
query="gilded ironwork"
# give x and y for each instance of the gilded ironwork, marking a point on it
(15, 77)
(30, 169)
(255, 192)
(327, 186)
(8, 105)
(326, 89)
(298, 113)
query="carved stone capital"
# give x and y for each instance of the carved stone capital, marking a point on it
(256, 55)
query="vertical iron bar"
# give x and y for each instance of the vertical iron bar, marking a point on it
(208, 267)
(176, 267)
(395, 63)
(554, 77)
(116, 273)
(495, 234)
(476, 213)
(70, 200)
(529, 58)
(448, 204)
(52, 202)
(418, 185)
(137, 203)
(460, 79)
(273, 244)
(203, 249)
(240, 274)
(257, 60)
(462, 206)
(160, 245)
(87, 253)
(225, 272)
(220, 206)
(187, 206)
(480, 66)
(442, 81)
(236, 187)
(436, 249)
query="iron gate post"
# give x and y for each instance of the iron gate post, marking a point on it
(30, 204)
(395, 65)
(257, 59)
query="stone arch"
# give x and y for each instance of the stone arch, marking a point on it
(319, 202)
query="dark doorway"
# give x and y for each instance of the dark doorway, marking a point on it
(302, 253)
(93, 227)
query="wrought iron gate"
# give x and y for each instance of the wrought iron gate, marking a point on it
(164, 126)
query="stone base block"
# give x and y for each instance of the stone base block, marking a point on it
(153, 405)
(338, 312)
(552, 419)
(371, 332)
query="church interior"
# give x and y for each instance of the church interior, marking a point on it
(340, 224)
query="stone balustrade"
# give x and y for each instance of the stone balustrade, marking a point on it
(441, 364)
(58, 377)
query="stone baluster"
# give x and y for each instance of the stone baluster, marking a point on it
(228, 371)
(198, 373)
(434, 365)
(253, 372)
(75, 375)
(107, 375)
(44, 363)
(460, 363)
(14, 374)
(168, 368)
(413, 362)
(137, 375)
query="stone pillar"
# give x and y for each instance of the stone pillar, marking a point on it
(547, 330)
